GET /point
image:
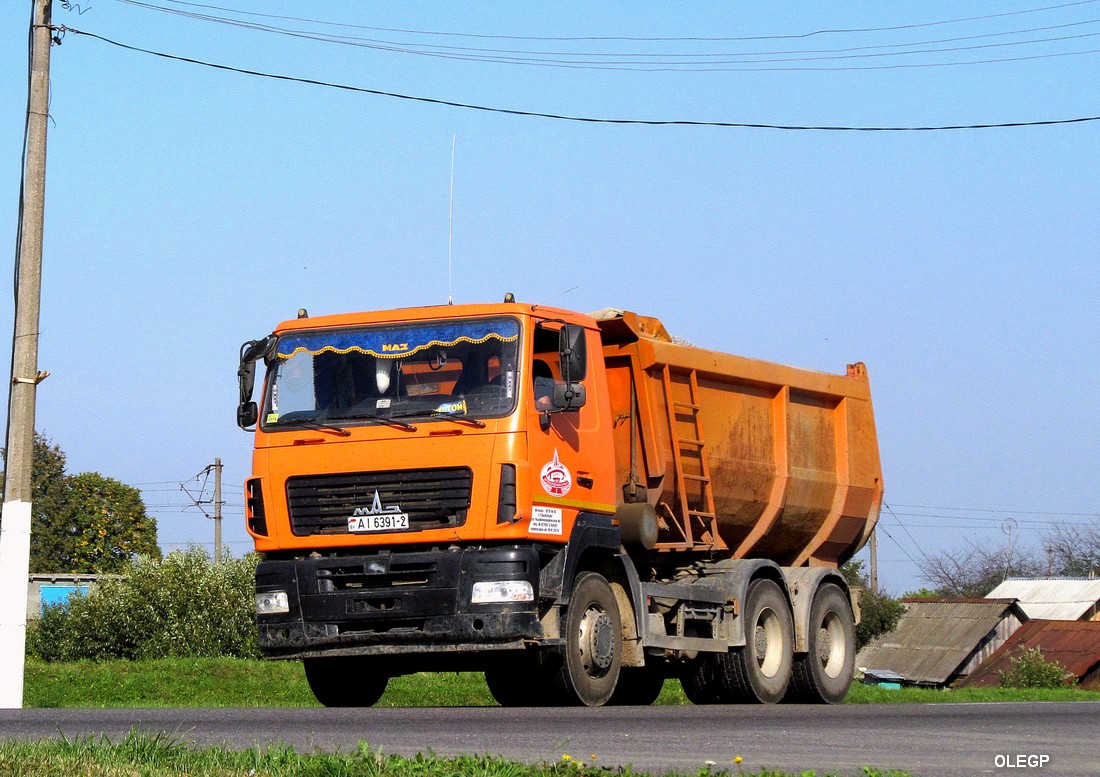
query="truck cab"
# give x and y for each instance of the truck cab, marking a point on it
(416, 473)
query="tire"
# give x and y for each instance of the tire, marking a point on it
(760, 671)
(345, 681)
(526, 680)
(507, 686)
(699, 679)
(593, 650)
(638, 686)
(824, 674)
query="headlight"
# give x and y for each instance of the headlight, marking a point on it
(272, 602)
(503, 591)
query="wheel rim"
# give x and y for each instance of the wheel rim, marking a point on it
(768, 643)
(831, 645)
(597, 641)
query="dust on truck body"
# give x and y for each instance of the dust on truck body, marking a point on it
(576, 505)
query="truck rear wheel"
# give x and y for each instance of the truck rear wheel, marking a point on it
(593, 642)
(760, 671)
(699, 679)
(824, 674)
(345, 681)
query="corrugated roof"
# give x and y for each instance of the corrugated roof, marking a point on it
(1052, 598)
(1073, 644)
(934, 637)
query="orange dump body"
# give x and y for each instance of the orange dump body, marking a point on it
(742, 458)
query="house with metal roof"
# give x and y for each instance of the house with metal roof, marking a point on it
(1053, 598)
(1073, 644)
(940, 641)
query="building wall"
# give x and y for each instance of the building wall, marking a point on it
(49, 590)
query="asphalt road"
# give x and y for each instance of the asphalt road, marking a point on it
(928, 740)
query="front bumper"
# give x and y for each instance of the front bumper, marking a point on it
(397, 602)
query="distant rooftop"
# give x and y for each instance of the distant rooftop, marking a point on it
(1052, 598)
(1073, 644)
(939, 639)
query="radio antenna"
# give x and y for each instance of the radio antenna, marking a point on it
(451, 228)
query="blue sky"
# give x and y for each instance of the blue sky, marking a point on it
(189, 209)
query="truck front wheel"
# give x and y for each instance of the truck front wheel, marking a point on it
(638, 686)
(525, 679)
(824, 673)
(593, 642)
(345, 681)
(760, 671)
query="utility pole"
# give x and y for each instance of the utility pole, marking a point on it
(874, 559)
(216, 467)
(217, 510)
(15, 521)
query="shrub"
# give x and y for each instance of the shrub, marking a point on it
(180, 607)
(1031, 670)
(880, 612)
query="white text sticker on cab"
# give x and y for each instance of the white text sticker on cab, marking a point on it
(545, 520)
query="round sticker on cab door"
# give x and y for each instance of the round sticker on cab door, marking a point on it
(556, 480)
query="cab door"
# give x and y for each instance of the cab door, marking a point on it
(570, 450)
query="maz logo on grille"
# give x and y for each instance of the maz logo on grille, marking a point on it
(377, 509)
(377, 518)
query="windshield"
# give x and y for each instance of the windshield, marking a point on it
(450, 369)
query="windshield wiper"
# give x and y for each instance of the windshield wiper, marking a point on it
(379, 419)
(457, 417)
(310, 424)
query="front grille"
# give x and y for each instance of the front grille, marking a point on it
(433, 498)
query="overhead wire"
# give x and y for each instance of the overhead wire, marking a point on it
(572, 118)
(900, 546)
(1083, 514)
(615, 61)
(905, 528)
(621, 38)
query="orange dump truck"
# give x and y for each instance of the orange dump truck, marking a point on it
(576, 505)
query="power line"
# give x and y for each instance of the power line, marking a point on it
(793, 36)
(900, 546)
(564, 117)
(976, 519)
(906, 529)
(1094, 514)
(570, 59)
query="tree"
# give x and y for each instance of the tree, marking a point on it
(1073, 551)
(86, 523)
(880, 612)
(108, 524)
(975, 570)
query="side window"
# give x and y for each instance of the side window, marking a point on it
(544, 367)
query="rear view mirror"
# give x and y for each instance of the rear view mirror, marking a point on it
(251, 352)
(247, 413)
(572, 353)
(569, 396)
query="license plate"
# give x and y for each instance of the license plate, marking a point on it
(384, 522)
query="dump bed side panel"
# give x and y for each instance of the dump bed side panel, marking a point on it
(747, 458)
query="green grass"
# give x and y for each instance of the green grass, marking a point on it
(870, 694)
(226, 682)
(162, 756)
